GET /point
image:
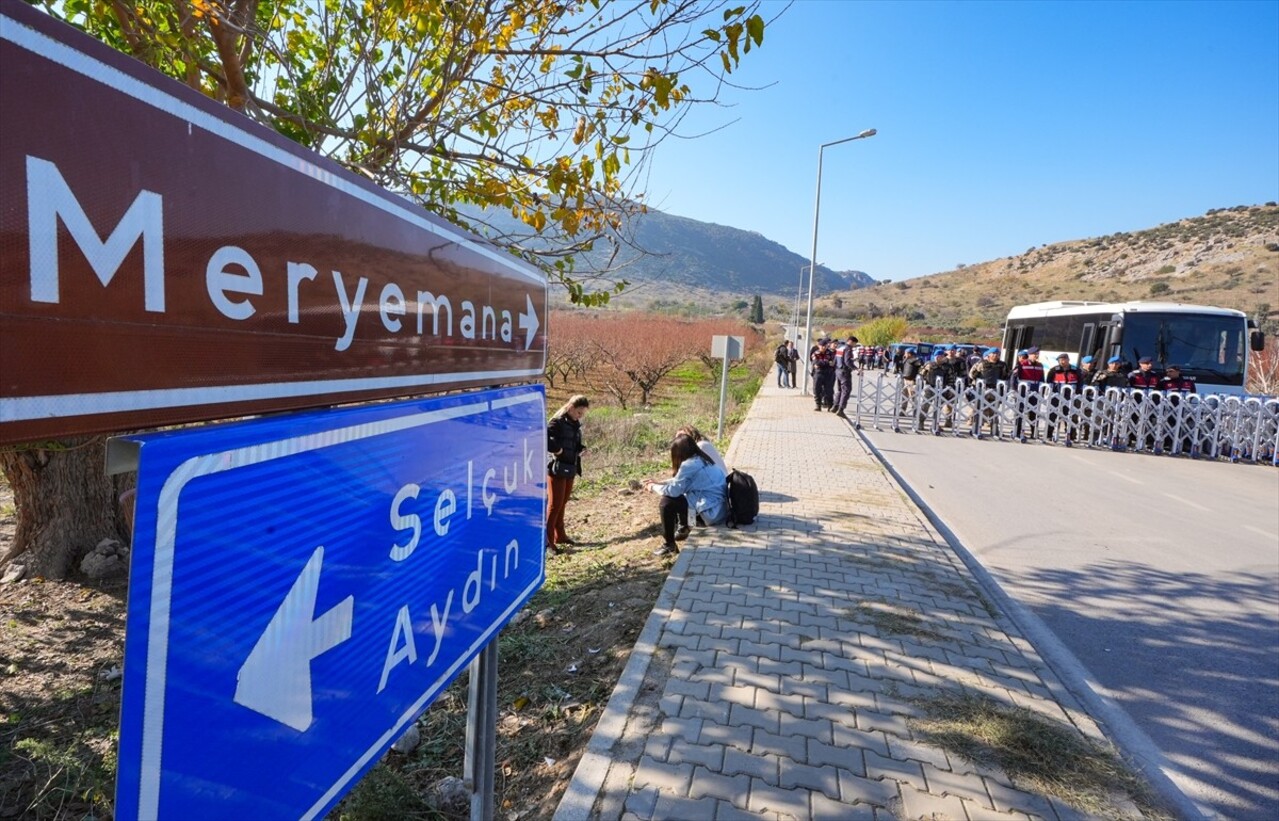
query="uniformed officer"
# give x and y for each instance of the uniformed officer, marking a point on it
(1177, 386)
(933, 377)
(1025, 378)
(1113, 376)
(1174, 381)
(1145, 377)
(985, 377)
(823, 374)
(845, 364)
(1065, 381)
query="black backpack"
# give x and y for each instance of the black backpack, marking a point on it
(743, 499)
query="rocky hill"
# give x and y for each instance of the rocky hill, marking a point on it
(1229, 257)
(700, 257)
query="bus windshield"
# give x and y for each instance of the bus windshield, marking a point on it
(1209, 349)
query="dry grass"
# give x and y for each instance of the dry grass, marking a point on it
(1039, 755)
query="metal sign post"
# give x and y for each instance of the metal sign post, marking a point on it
(729, 348)
(480, 765)
(304, 586)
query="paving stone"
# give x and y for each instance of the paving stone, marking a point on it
(665, 777)
(763, 766)
(761, 650)
(719, 645)
(658, 746)
(709, 756)
(670, 639)
(826, 809)
(901, 749)
(726, 735)
(681, 806)
(855, 699)
(818, 728)
(642, 802)
(779, 703)
(918, 804)
(835, 679)
(694, 628)
(741, 633)
(768, 798)
(871, 791)
(891, 724)
(709, 784)
(791, 747)
(724, 811)
(809, 689)
(686, 729)
(909, 772)
(796, 774)
(968, 787)
(685, 687)
(762, 719)
(1008, 799)
(845, 758)
(781, 669)
(716, 711)
(734, 694)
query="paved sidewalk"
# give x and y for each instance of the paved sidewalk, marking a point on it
(769, 682)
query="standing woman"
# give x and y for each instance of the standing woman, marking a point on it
(696, 484)
(564, 441)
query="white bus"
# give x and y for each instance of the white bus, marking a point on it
(1209, 344)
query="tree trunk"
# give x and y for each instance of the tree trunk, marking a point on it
(66, 504)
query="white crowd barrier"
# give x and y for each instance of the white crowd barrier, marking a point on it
(1241, 429)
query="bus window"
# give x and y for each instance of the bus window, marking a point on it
(1086, 338)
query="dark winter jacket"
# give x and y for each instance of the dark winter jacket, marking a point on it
(564, 441)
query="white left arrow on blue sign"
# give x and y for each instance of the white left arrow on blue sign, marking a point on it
(275, 680)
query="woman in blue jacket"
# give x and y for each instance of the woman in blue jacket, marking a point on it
(696, 484)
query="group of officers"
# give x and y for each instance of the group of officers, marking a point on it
(950, 366)
(832, 363)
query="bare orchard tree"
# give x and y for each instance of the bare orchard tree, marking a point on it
(1263, 371)
(544, 110)
(643, 349)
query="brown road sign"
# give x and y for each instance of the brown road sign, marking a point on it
(165, 260)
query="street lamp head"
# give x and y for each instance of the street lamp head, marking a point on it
(870, 132)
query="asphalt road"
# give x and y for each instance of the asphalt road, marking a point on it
(1159, 574)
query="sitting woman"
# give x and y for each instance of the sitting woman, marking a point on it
(696, 484)
(705, 445)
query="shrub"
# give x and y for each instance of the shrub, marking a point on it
(1159, 288)
(1167, 269)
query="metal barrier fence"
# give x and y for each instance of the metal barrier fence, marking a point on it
(1241, 429)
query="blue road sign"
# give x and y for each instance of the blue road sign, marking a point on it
(304, 586)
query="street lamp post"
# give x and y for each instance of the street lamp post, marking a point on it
(799, 294)
(812, 271)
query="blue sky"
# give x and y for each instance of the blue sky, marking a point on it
(1002, 126)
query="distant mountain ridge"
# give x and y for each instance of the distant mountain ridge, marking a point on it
(1229, 257)
(683, 251)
